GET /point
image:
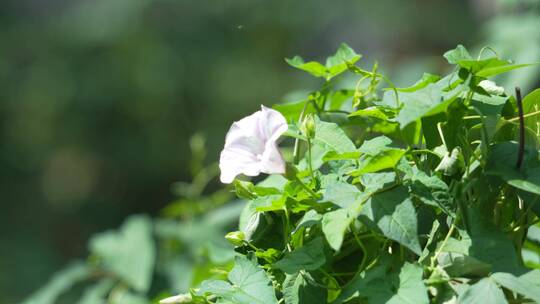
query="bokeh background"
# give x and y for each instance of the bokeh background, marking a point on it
(99, 98)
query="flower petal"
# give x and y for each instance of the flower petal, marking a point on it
(272, 124)
(272, 162)
(235, 161)
(246, 130)
(250, 146)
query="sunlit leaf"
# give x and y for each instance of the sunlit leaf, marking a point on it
(129, 253)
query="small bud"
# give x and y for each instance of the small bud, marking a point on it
(290, 171)
(244, 189)
(308, 126)
(236, 238)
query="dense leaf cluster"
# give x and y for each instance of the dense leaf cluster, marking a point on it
(422, 194)
(404, 195)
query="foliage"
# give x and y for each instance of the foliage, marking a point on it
(395, 195)
(152, 258)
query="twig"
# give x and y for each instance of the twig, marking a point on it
(521, 129)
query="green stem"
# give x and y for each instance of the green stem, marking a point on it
(308, 189)
(364, 251)
(446, 238)
(286, 228)
(296, 151)
(524, 116)
(337, 111)
(251, 246)
(508, 120)
(439, 128)
(310, 159)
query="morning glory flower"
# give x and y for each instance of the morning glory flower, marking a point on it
(251, 146)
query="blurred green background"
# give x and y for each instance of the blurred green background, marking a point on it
(98, 98)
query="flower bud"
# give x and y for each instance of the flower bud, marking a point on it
(244, 189)
(290, 171)
(308, 126)
(236, 238)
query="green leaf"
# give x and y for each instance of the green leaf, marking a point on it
(249, 220)
(97, 293)
(298, 290)
(333, 155)
(272, 202)
(426, 79)
(60, 283)
(502, 161)
(332, 136)
(476, 66)
(458, 54)
(483, 291)
(310, 218)
(335, 65)
(532, 277)
(129, 253)
(518, 285)
(344, 56)
(333, 287)
(270, 255)
(127, 297)
(411, 288)
(531, 104)
(379, 286)
(385, 160)
(375, 146)
(311, 256)
(372, 112)
(490, 245)
(427, 101)
(340, 97)
(484, 67)
(357, 287)
(459, 265)
(342, 194)
(247, 190)
(430, 190)
(314, 68)
(252, 281)
(489, 105)
(318, 151)
(334, 225)
(393, 213)
(276, 181)
(376, 181)
(217, 287)
(292, 110)
(249, 284)
(490, 71)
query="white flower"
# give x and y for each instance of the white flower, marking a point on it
(251, 148)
